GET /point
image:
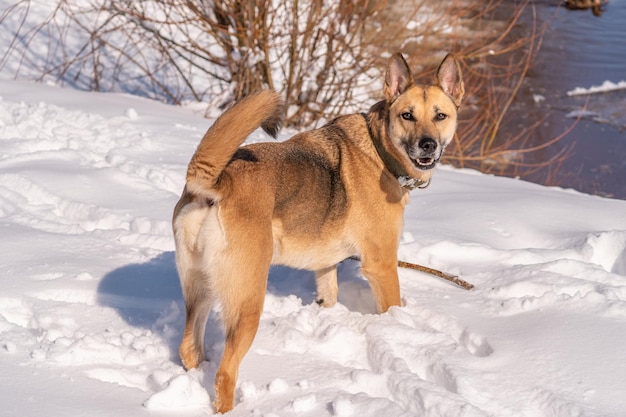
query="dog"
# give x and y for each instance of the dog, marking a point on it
(310, 202)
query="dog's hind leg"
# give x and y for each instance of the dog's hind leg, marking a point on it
(326, 282)
(189, 219)
(242, 293)
(198, 305)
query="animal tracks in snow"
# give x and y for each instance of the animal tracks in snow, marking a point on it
(409, 358)
(29, 204)
(80, 150)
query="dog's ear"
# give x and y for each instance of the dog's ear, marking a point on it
(449, 79)
(398, 77)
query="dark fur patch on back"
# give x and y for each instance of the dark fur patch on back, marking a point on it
(244, 154)
(313, 191)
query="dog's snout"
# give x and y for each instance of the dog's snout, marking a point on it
(428, 145)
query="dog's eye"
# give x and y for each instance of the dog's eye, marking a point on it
(441, 116)
(407, 116)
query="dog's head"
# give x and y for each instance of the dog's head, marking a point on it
(421, 120)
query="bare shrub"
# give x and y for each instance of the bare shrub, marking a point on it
(326, 56)
(217, 51)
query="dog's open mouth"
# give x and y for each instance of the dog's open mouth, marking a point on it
(424, 163)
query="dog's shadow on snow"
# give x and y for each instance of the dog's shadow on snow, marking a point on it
(149, 295)
(354, 291)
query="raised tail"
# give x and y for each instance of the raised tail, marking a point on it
(262, 109)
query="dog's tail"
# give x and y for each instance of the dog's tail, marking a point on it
(262, 109)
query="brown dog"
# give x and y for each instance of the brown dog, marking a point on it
(309, 203)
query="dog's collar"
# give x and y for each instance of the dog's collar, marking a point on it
(410, 184)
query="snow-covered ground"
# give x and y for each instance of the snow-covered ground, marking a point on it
(91, 311)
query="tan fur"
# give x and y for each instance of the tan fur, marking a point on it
(309, 202)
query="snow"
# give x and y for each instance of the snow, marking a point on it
(605, 87)
(599, 105)
(91, 312)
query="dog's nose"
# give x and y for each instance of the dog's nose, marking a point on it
(428, 145)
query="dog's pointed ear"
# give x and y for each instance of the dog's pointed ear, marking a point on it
(398, 77)
(450, 80)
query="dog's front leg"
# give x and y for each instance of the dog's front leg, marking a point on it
(326, 281)
(382, 274)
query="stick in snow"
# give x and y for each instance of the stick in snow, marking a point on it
(452, 278)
